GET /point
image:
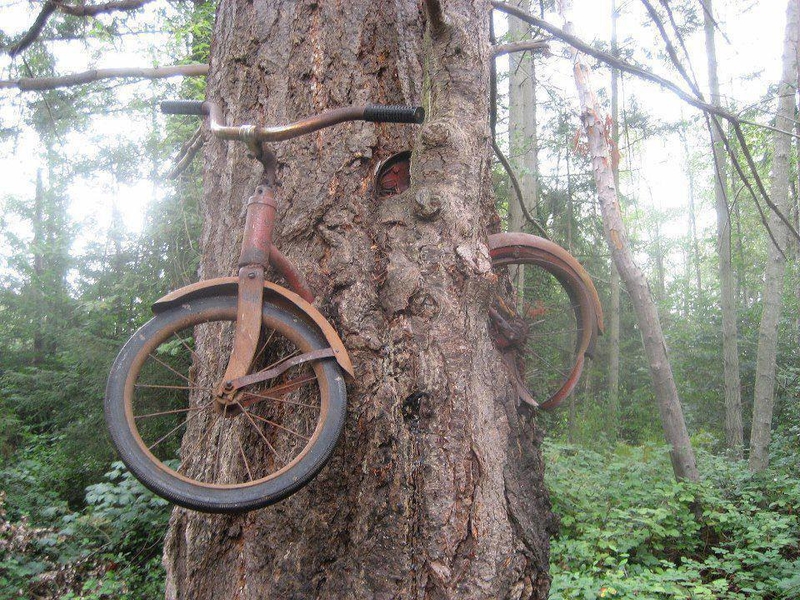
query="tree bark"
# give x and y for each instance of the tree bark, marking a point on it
(614, 313)
(734, 433)
(435, 490)
(675, 432)
(764, 389)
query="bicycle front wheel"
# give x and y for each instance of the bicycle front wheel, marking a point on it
(173, 435)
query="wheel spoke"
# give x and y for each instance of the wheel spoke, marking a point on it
(174, 429)
(167, 412)
(165, 365)
(258, 429)
(274, 424)
(201, 443)
(244, 458)
(185, 345)
(173, 387)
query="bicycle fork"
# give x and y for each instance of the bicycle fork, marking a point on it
(256, 255)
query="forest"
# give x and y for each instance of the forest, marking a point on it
(656, 142)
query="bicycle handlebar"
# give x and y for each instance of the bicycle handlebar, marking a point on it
(252, 134)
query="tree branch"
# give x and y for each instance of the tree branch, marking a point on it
(77, 11)
(502, 49)
(30, 36)
(609, 59)
(517, 189)
(27, 84)
(92, 10)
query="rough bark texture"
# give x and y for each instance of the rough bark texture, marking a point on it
(764, 389)
(734, 433)
(669, 406)
(435, 490)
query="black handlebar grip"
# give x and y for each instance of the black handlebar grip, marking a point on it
(394, 114)
(182, 107)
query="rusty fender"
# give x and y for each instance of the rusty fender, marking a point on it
(280, 296)
(498, 240)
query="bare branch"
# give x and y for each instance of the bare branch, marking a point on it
(32, 33)
(517, 189)
(502, 49)
(92, 10)
(51, 6)
(187, 153)
(27, 84)
(609, 59)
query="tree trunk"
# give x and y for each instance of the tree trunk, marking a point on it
(435, 490)
(734, 433)
(695, 246)
(614, 313)
(764, 389)
(683, 461)
(37, 274)
(523, 143)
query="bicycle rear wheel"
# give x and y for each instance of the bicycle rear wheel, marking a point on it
(181, 443)
(545, 317)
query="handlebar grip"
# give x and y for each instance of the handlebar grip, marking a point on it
(394, 114)
(183, 107)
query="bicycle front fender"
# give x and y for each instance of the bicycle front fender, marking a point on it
(507, 240)
(276, 294)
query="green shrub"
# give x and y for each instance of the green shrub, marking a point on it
(628, 530)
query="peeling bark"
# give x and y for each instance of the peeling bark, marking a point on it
(435, 490)
(669, 406)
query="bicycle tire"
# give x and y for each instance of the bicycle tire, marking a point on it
(236, 486)
(546, 390)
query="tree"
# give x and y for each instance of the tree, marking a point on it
(734, 435)
(669, 406)
(764, 391)
(436, 488)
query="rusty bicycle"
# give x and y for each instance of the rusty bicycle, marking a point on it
(272, 420)
(269, 424)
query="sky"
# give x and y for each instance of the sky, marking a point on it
(749, 61)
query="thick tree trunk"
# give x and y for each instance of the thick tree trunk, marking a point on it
(669, 406)
(435, 490)
(764, 389)
(734, 433)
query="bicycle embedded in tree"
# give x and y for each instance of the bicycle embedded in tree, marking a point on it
(268, 425)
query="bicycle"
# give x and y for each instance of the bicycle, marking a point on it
(272, 421)
(163, 409)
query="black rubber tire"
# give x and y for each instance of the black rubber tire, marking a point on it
(201, 496)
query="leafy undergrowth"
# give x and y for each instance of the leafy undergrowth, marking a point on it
(111, 549)
(628, 530)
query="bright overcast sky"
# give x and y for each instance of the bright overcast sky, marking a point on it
(754, 31)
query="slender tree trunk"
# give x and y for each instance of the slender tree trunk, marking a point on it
(523, 143)
(37, 283)
(614, 313)
(435, 490)
(734, 433)
(683, 460)
(764, 390)
(695, 259)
